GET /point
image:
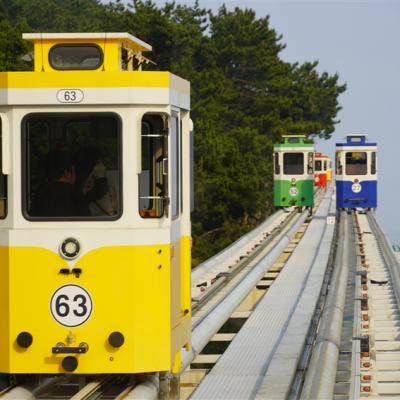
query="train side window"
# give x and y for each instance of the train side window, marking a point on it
(356, 163)
(373, 163)
(310, 166)
(325, 166)
(277, 168)
(318, 165)
(338, 164)
(3, 181)
(153, 180)
(293, 163)
(175, 166)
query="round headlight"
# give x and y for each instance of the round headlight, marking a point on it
(70, 248)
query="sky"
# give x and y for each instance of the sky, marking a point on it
(358, 39)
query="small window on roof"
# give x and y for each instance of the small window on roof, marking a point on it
(293, 140)
(76, 56)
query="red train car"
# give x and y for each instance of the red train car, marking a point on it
(320, 169)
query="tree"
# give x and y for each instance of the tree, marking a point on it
(244, 96)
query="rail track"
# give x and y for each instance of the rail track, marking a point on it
(335, 330)
(211, 281)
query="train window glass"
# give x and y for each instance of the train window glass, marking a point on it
(191, 139)
(293, 163)
(325, 168)
(277, 168)
(175, 190)
(318, 165)
(76, 56)
(356, 163)
(153, 180)
(293, 140)
(3, 181)
(338, 164)
(72, 166)
(310, 166)
(373, 163)
(181, 166)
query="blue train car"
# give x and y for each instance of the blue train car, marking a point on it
(356, 173)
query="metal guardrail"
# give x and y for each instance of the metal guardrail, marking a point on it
(388, 255)
(321, 374)
(204, 331)
(234, 247)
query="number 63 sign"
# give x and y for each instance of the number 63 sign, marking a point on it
(69, 96)
(71, 305)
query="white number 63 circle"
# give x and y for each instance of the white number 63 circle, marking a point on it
(71, 305)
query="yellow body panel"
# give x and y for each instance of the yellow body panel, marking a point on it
(84, 79)
(133, 290)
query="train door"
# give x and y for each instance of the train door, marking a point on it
(176, 211)
(3, 167)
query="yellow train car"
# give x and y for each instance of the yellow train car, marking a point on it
(95, 210)
(329, 170)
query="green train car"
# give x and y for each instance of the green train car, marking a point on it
(294, 172)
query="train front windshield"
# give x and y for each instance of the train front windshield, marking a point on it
(293, 163)
(356, 163)
(318, 165)
(72, 166)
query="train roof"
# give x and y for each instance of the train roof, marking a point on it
(356, 140)
(294, 141)
(321, 155)
(127, 39)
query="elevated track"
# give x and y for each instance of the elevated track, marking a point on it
(300, 308)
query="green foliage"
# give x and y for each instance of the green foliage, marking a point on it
(244, 96)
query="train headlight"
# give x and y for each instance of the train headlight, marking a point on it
(70, 248)
(293, 181)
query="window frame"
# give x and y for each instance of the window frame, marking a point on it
(94, 45)
(366, 163)
(3, 177)
(24, 167)
(338, 163)
(277, 165)
(302, 162)
(373, 163)
(175, 192)
(318, 162)
(165, 139)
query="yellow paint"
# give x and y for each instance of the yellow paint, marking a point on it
(134, 289)
(84, 79)
(111, 49)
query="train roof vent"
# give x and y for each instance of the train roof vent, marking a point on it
(295, 139)
(356, 138)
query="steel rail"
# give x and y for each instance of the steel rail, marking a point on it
(243, 263)
(320, 378)
(388, 255)
(234, 247)
(229, 380)
(213, 321)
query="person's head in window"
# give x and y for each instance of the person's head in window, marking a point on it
(59, 196)
(60, 167)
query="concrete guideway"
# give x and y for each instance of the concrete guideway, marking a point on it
(253, 358)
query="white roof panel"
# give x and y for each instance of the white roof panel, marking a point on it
(139, 44)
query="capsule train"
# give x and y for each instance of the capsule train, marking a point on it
(356, 173)
(95, 210)
(297, 169)
(293, 162)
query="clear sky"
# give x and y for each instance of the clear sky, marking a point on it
(360, 40)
